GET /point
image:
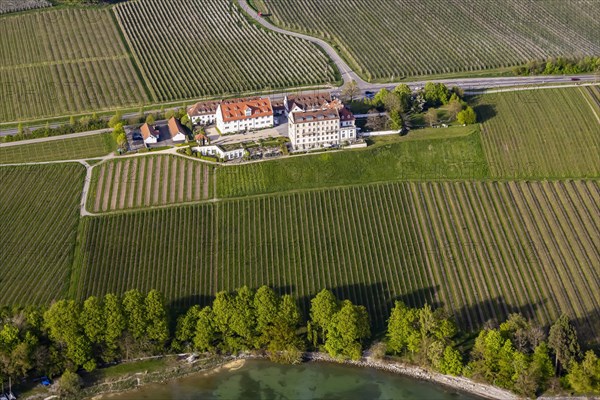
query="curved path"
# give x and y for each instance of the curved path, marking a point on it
(466, 83)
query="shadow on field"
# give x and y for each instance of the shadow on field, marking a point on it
(484, 112)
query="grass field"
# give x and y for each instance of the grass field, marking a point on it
(453, 153)
(193, 48)
(39, 215)
(481, 249)
(392, 39)
(549, 133)
(55, 150)
(64, 62)
(149, 181)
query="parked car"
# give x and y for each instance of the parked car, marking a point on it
(137, 136)
(45, 381)
(369, 94)
(575, 79)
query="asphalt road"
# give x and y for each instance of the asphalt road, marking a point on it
(468, 84)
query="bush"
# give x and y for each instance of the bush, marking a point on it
(467, 116)
(70, 384)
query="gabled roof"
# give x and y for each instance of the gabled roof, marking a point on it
(203, 108)
(148, 131)
(175, 127)
(309, 102)
(315, 116)
(346, 115)
(241, 109)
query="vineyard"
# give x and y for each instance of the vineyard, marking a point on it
(149, 181)
(39, 217)
(481, 249)
(192, 48)
(62, 149)
(8, 6)
(64, 62)
(550, 133)
(410, 38)
(423, 154)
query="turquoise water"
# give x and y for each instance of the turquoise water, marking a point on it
(265, 380)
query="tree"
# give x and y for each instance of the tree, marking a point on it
(285, 345)
(584, 377)
(451, 363)
(395, 122)
(266, 303)
(134, 311)
(187, 122)
(93, 320)
(150, 119)
(404, 93)
(454, 107)
(157, 328)
(351, 90)
(115, 119)
(206, 333)
(563, 342)
(186, 328)
(376, 122)
(115, 325)
(403, 330)
(431, 117)
(348, 328)
(541, 366)
(467, 116)
(379, 98)
(70, 384)
(436, 94)
(322, 309)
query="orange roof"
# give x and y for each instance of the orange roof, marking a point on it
(175, 127)
(203, 108)
(148, 131)
(241, 109)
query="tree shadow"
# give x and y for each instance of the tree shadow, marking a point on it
(484, 112)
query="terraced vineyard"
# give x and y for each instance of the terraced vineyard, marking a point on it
(39, 217)
(193, 48)
(481, 249)
(390, 39)
(455, 153)
(61, 149)
(63, 62)
(149, 181)
(549, 133)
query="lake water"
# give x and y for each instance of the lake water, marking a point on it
(259, 379)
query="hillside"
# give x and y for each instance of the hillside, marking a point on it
(392, 39)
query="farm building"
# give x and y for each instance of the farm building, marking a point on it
(176, 130)
(149, 134)
(203, 113)
(244, 114)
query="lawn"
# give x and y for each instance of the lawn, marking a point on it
(61, 149)
(427, 154)
(544, 133)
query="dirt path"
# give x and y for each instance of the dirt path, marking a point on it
(133, 183)
(149, 173)
(108, 187)
(126, 184)
(181, 186)
(99, 188)
(118, 183)
(205, 182)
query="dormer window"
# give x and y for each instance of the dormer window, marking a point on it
(248, 112)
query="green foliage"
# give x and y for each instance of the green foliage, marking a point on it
(186, 328)
(150, 119)
(560, 66)
(157, 328)
(70, 384)
(322, 309)
(403, 329)
(115, 325)
(467, 116)
(115, 119)
(452, 362)
(563, 342)
(584, 377)
(348, 329)
(206, 332)
(93, 320)
(436, 94)
(134, 311)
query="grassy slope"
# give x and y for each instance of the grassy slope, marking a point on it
(468, 246)
(549, 133)
(39, 213)
(64, 149)
(453, 153)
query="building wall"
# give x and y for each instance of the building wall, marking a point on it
(314, 134)
(242, 125)
(203, 119)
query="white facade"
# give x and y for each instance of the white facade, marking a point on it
(241, 125)
(151, 140)
(206, 119)
(217, 151)
(314, 130)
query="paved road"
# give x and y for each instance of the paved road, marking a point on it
(52, 138)
(466, 83)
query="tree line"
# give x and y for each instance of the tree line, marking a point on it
(559, 66)
(69, 337)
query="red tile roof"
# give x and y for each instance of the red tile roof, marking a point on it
(203, 108)
(346, 115)
(309, 102)
(148, 131)
(175, 127)
(241, 109)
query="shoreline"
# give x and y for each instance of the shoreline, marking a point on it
(232, 363)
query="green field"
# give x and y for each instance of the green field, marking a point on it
(149, 181)
(64, 62)
(61, 149)
(39, 215)
(394, 39)
(546, 133)
(427, 154)
(481, 249)
(191, 48)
